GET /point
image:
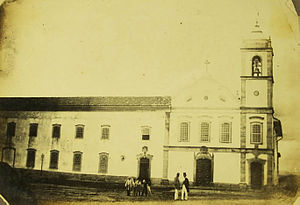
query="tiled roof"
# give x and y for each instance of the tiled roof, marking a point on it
(82, 103)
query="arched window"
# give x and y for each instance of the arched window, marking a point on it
(54, 159)
(105, 131)
(79, 130)
(77, 158)
(184, 131)
(103, 162)
(256, 66)
(204, 132)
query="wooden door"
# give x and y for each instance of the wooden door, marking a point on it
(203, 172)
(256, 175)
(144, 168)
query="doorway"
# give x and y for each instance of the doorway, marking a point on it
(144, 172)
(203, 172)
(256, 175)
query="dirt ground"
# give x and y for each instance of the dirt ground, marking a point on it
(66, 195)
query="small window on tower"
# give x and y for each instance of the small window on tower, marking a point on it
(146, 132)
(256, 66)
(256, 132)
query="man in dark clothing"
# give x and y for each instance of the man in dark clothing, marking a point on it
(185, 188)
(176, 186)
(145, 189)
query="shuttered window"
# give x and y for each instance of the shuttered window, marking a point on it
(30, 158)
(225, 132)
(33, 127)
(204, 132)
(77, 158)
(184, 132)
(56, 130)
(256, 132)
(54, 154)
(79, 129)
(103, 163)
(105, 130)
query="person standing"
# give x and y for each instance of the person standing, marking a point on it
(185, 187)
(145, 189)
(149, 186)
(128, 186)
(176, 186)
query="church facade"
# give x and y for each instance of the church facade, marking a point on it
(206, 131)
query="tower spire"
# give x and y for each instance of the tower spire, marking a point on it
(257, 28)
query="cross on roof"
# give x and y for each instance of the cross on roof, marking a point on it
(206, 65)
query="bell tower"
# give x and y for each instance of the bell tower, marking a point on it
(257, 71)
(257, 108)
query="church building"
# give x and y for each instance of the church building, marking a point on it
(212, 134)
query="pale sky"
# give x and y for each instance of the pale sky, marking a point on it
(140, 47)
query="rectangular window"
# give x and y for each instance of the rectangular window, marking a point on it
(54, 159)
(11, 129)
(33, 127)
(30, 158)
(105, 131)
(204, 132)
(184, 131)
(79, 131)
(103, 163)
(146, 133)
(56, 130)
(256, 132)
(225, 132)
(77, 161)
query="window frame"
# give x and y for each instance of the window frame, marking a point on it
(229, 132)
(52, 152)
(186, 137)
(77, 127)
(29, 163)
(105, 127)
(201, 131)
(106, 163)
(33, 129)
(146, 132)
(11, 131)
(258, 74)
(77, 165)
(260, 133)
(54, 133)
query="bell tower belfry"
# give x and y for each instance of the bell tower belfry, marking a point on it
(257, 71)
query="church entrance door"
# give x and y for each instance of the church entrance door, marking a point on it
(256, 175)
(144, 168)
(203, 172)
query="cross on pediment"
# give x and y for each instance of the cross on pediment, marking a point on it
(206, 65)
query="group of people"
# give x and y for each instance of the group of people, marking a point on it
(142, 187)
(185, 188)
(139, 187)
